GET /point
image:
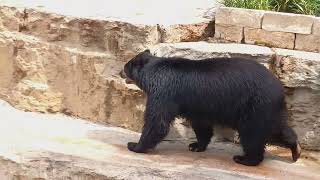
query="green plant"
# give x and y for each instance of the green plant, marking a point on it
(296, 6)
(248, 4)
(309, 7)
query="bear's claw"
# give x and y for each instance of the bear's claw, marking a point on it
(131, 146)
(194, 147)
(244, 160)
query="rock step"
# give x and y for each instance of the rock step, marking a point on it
(122, 38)
(42, 146)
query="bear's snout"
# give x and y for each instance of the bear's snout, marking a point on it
(129, 81)
(122, 74)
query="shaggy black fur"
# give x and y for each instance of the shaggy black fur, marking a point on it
(238, 93)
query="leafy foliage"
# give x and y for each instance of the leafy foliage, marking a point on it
(309, 7)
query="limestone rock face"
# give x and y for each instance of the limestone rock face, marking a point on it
(39, 76)
(300, 72)
(57, 63)
(185, 32)
(303, 104)
(298, 68)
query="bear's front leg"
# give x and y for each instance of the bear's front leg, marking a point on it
(204, 132)
(156, 127)
(153, 133)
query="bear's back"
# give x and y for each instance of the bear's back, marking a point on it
(216, 86)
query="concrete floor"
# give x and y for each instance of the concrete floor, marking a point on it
(55, 146)
(164, 12)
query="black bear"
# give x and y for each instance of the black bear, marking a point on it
(233, 92)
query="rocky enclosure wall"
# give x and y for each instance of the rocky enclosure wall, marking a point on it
(53, 63)
(273, 29)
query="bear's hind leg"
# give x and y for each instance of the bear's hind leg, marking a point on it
(253, 134)
(253, 151)
(204, 132)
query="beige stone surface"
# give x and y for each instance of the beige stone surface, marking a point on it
(115, 37)
(287, 22)
(229, 32)
(111, 37)
(68, 64)
(185, 32)
(10, 18)
(239, 17)
(298, 68)
(303, 104)
(50, 78)
(300, 72)
(316, 26)
(56, 147)
(269, 38)
(307, 42)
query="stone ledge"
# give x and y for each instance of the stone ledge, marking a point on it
(201, 50)
(111, 37)
(120, 38)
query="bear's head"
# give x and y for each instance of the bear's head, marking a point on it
(132, 69)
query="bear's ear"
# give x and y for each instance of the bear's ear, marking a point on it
(147, 51)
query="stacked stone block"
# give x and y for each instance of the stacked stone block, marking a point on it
(273, 29)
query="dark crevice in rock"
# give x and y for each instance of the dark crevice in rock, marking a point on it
(161, 33)
(243, 37)
(209, 31)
